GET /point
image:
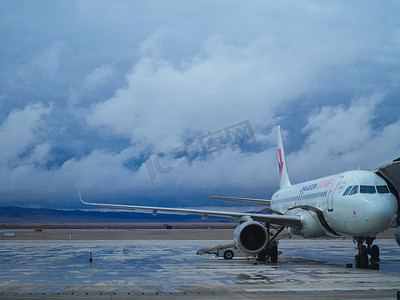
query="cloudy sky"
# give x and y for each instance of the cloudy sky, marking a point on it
(169, 102)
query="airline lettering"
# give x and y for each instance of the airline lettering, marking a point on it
(308, 187)
(316, 185)
(325, 183)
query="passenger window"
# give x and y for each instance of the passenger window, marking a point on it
(367, 189)
(382, 189)
(347, 190)
(354, 190)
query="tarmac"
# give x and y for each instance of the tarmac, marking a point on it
(163, 267)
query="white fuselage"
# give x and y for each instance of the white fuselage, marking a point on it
(355, 203)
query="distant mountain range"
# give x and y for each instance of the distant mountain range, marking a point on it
(20, 215)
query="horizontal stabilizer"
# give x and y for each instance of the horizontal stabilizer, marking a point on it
(245, 200)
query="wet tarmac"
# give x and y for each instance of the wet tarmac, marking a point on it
(171, 269)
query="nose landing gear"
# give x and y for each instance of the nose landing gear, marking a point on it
(361, 259)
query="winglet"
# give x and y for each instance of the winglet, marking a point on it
(284, 180)
(79, 194)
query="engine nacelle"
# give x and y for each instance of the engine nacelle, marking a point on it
(250, 237)
(397, 235)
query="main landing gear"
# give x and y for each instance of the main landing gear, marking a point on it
(361, 260)
(271, 250)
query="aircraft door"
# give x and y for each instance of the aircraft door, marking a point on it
(332, 191)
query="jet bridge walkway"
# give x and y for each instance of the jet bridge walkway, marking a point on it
(391, 173)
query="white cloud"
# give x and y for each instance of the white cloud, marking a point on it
(221, 85)
(20, 130)
(48, 62)
(22, 151)
(40, 154)
(99, 76)
(152, 46)
(96, 79)
(340, 138)
(352, 126)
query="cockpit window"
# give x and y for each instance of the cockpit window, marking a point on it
(367, 189)
(347, 190)
(354, 190)
(382, 189)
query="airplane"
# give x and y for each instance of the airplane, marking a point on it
(357, 204)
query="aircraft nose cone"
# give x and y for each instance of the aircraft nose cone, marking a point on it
(379, 216)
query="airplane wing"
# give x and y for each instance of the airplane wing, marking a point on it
(289, 221)
(245, 200)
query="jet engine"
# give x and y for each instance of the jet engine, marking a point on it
(397, 235)
(250, 237)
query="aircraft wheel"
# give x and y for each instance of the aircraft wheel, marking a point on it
(273, 252)
(357, 261)
(363, 257)
(374, 252)
(375, 266)
(228, 254)
(262, 256)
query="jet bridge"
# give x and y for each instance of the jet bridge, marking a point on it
(391, 173)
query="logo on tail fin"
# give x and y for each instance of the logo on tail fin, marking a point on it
(281, 163)
(283, 172)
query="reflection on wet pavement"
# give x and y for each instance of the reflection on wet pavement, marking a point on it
(167, 266)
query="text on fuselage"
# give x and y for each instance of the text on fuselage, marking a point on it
(314, 186)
